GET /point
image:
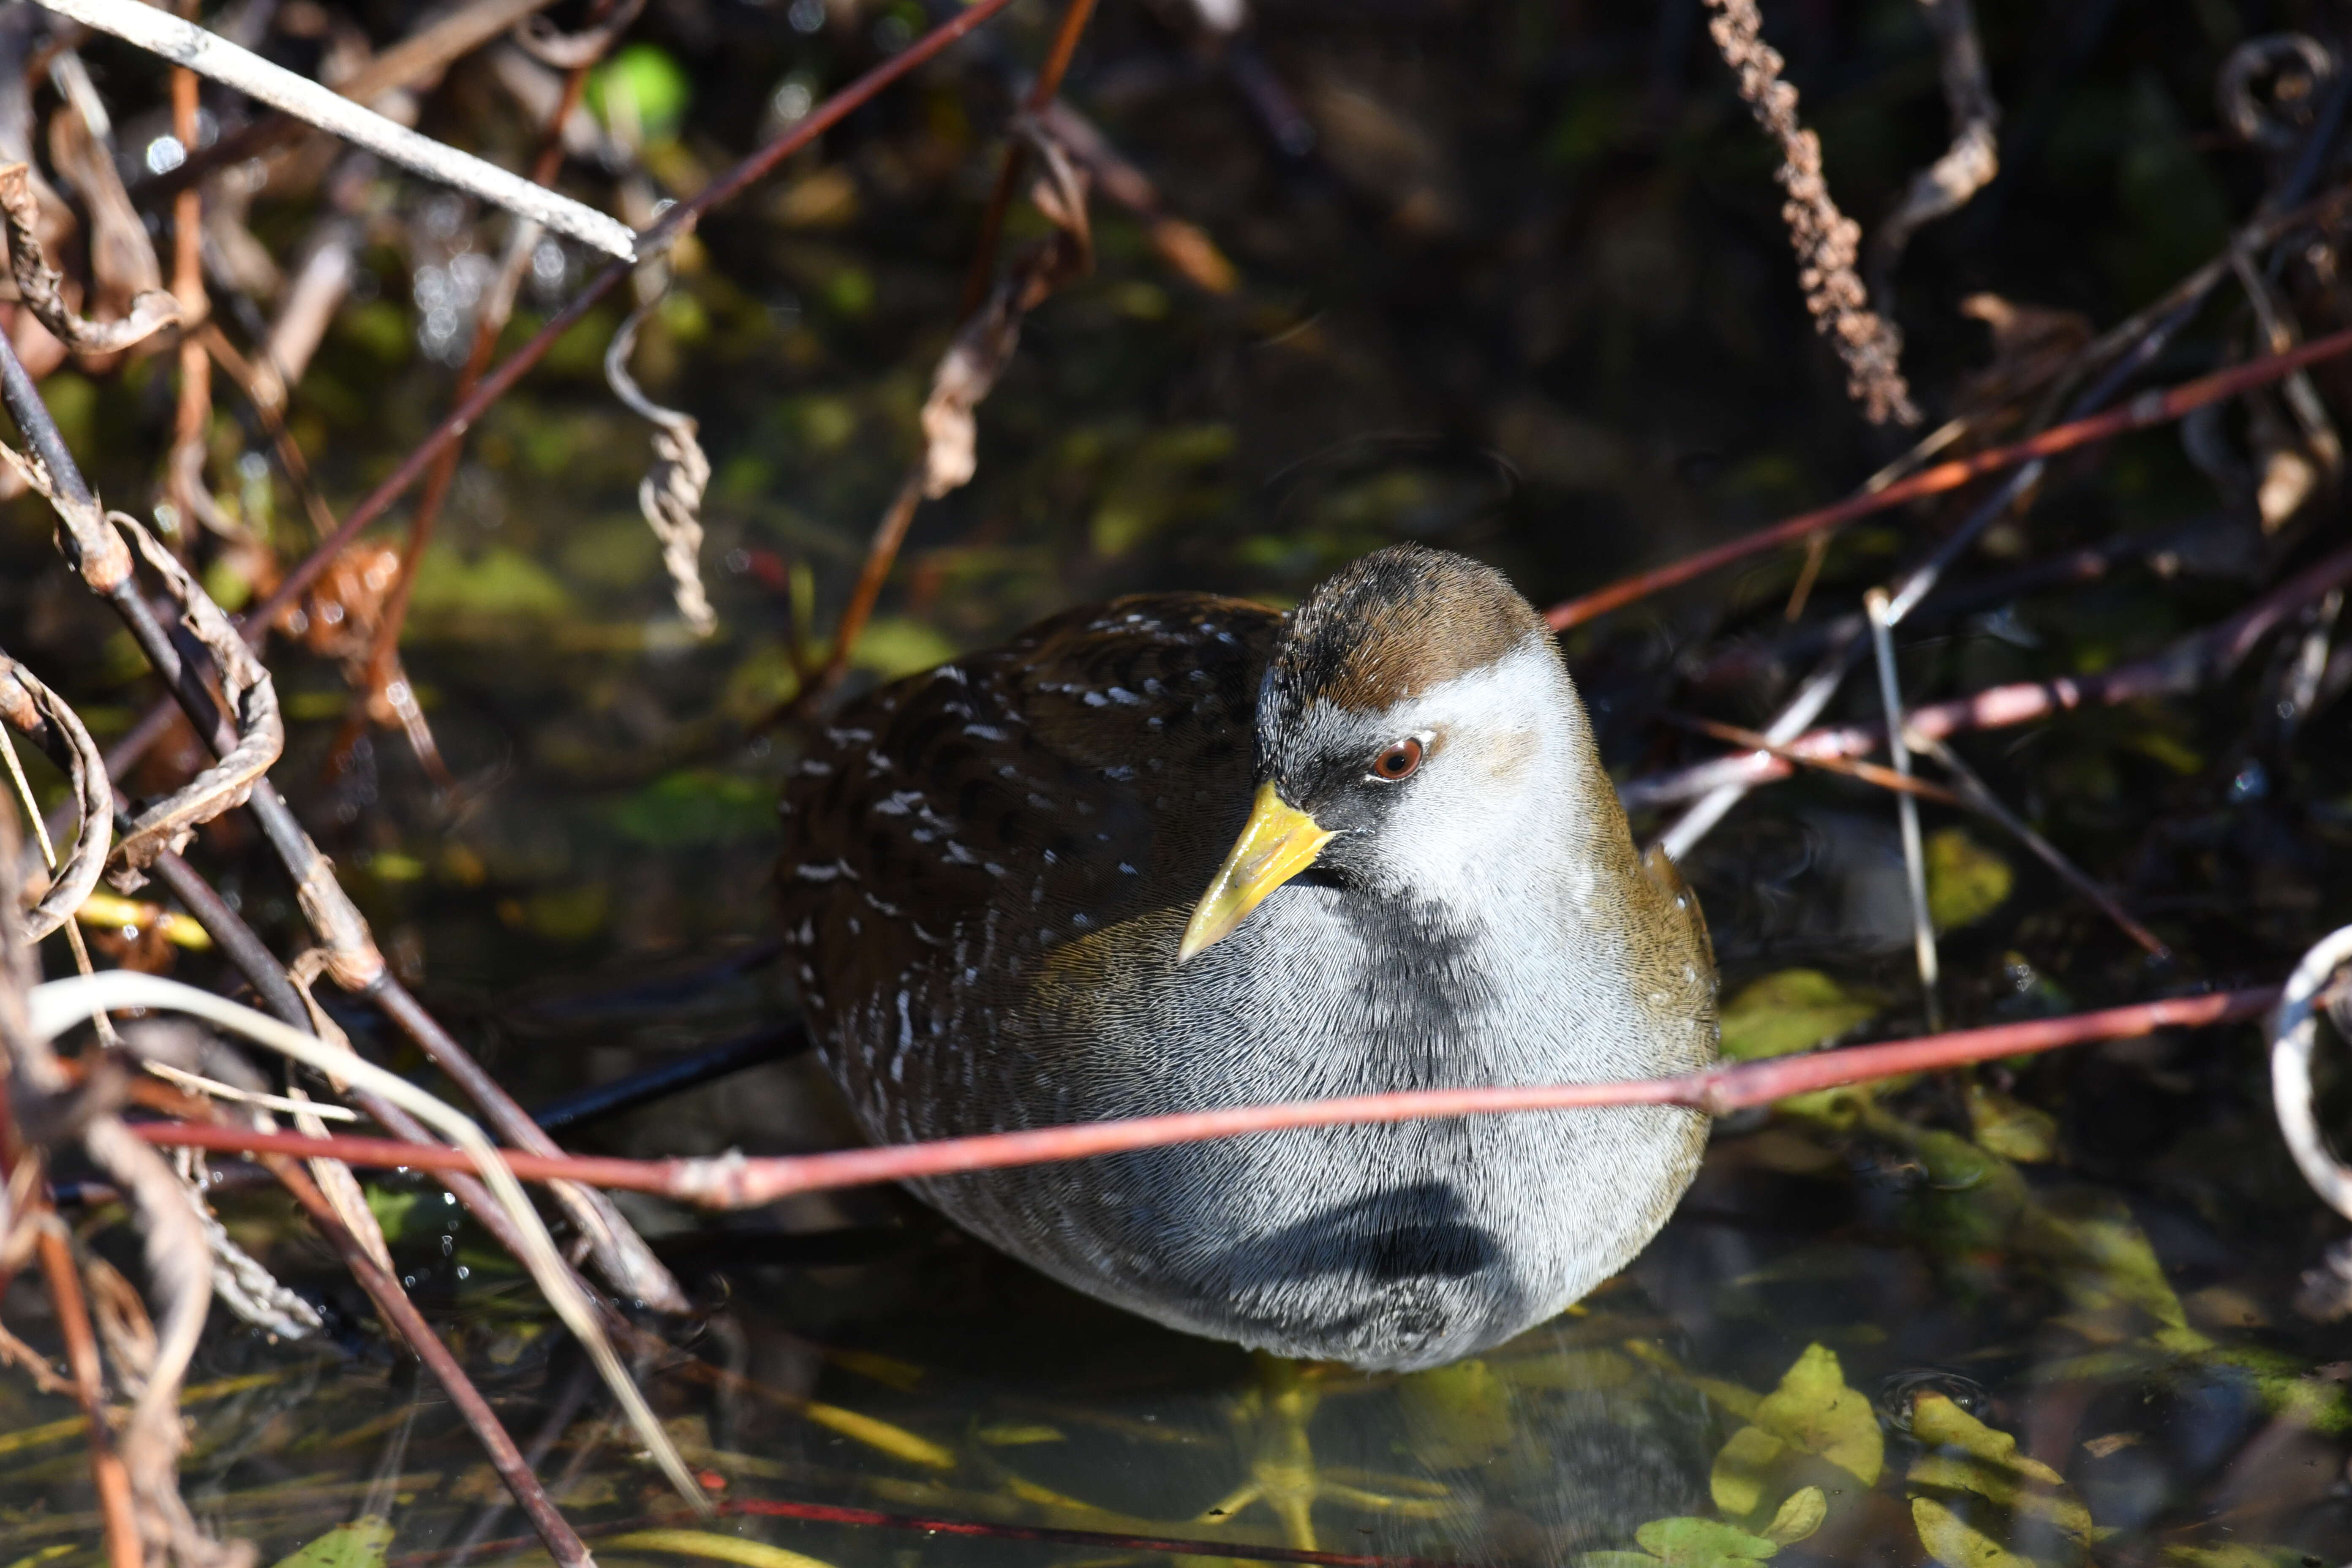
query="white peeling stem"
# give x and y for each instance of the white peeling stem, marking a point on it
(58, 1005)
(207, 54)
(1906, 806)
(2293, 1032)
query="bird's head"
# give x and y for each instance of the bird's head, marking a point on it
(1416, 732)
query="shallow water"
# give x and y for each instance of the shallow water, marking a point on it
(1527, 296)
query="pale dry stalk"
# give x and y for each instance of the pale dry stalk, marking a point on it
(1826, 241)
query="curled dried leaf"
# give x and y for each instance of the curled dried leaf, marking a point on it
(253, 707)
(40, 285)
(39, 714)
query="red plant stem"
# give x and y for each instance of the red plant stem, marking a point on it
(826, 1513)
(383, 652)
(2183, 667)
(1075, 15)
(107, 1474)
(736, 1183)
(675, 222)
(2148, 408)
(563, 1542)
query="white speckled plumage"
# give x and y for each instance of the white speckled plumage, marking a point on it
(989, 868)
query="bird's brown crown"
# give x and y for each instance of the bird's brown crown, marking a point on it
(1396, 623)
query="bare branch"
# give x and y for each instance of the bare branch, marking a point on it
(39, 283)
(734, 1181)
(1966, 166)
(207, 54)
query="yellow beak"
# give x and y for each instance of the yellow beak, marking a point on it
(1279, 842)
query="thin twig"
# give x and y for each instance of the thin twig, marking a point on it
(30, 707)
(40, 287)
(1042, 93)
(1980, 798)
(1867, 772)
(192, 426)
(1906, 809)
(383, 652)
(563, 1542)
(2148, 409)
(207, 54)
(2186, 665)
(107, 1475)
(1968, 165)
(61, 1002)
(736, 1182)
(675, 222)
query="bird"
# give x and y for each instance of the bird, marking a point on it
(1179, 851)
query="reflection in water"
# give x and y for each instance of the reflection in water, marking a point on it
(1804, 1367)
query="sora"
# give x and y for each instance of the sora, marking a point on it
(1177, 852)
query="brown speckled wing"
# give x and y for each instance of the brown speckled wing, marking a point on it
(948, 835)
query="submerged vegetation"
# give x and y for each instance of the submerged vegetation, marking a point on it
(1208, 295)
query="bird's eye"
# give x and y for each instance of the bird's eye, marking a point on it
(1397, 761)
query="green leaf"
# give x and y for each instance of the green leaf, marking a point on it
(2232, 1555)
(1459, 1414)
(1743, 1470)
(1794, 1010)
(2011, 1128)
(1963, 1456)
(1956, 1543)
(1689, 1543)
(1965, 881)
(1799, 1516)
(1812, 1413)
(1815, 1411)
(1968, 1455)
(358, 1544)
(715, 1548)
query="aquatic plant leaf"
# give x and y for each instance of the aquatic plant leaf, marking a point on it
(895, 1441)
(1987, 1461)
(1794, 1010)
(1955, 1542)
(715, 1548)
(1812, 1412)
(1578, 1369)
(1965, 1456)
(1014, 1435)
(2010, 1128)
(1742, 1470)
(1459, 1414)
(2232, 1555)
(1799, 1516)
(358, 1544)
(1965, 881)
(1815, 1411)
(1689, 1543)
(2103, 1261)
